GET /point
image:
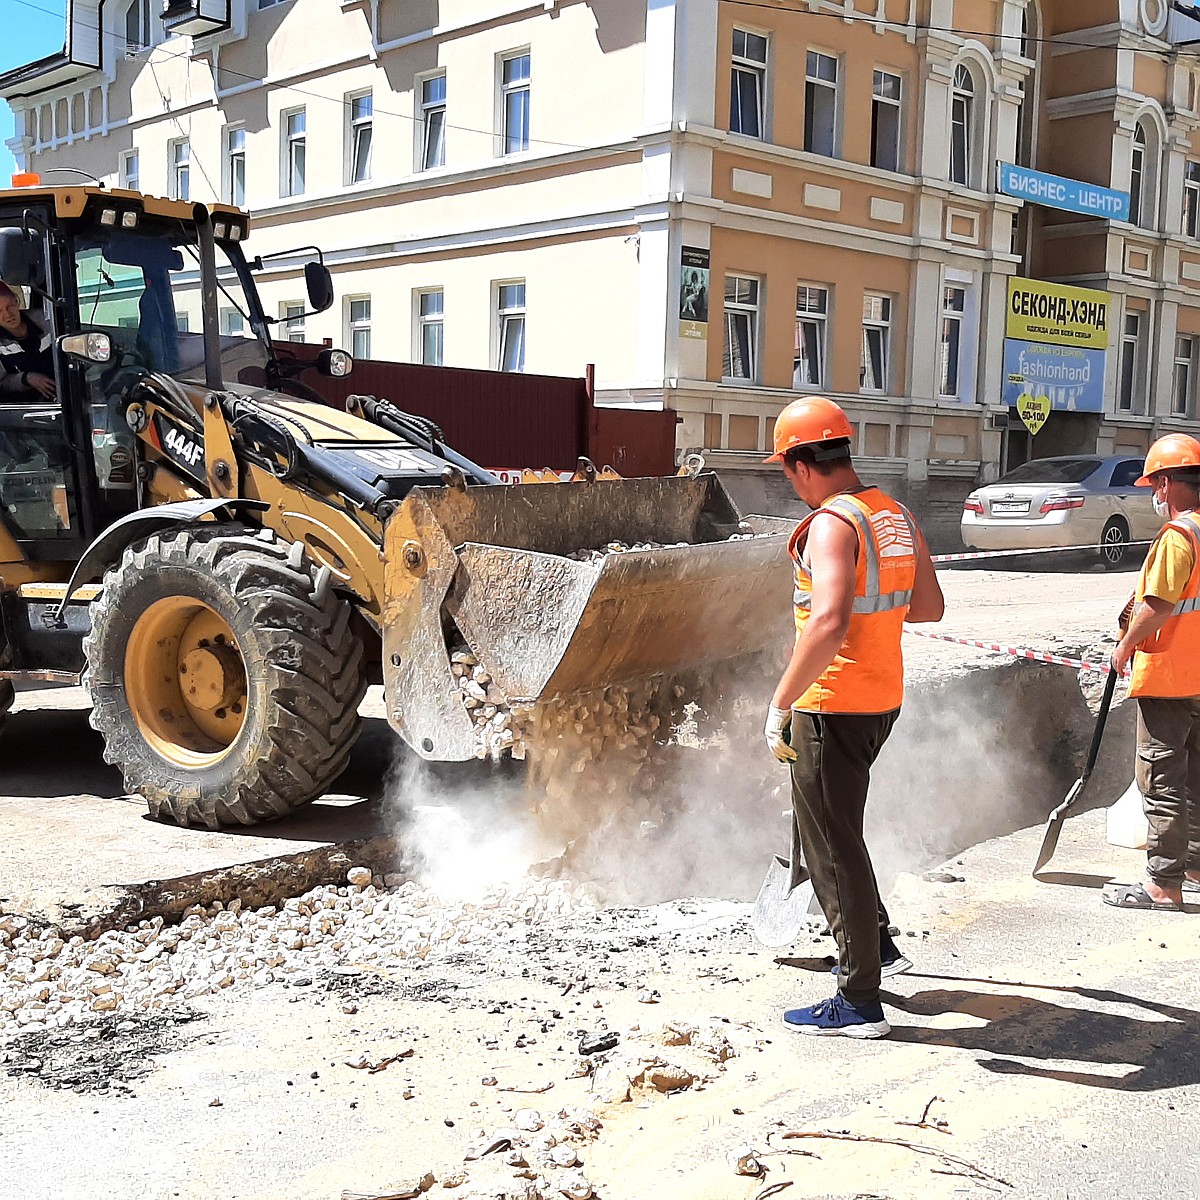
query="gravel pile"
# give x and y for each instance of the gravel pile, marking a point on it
(598, 556)
(47, 983)
(495, 728)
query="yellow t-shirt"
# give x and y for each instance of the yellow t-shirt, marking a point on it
(1169, 566)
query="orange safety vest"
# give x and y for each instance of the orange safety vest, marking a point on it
(1167, 665)
(867, 675)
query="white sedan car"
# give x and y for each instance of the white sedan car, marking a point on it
(1076, 500)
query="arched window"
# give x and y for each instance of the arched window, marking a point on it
(1143, 175)
(1028, 111)
(962, 126)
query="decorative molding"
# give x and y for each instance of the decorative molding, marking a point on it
(962, 225)
(753, 183)
(891, 211)
(816, 196)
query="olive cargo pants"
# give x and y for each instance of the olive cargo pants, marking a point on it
(830, 778)
(1168, 776)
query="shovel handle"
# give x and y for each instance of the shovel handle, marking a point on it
(1110, 686)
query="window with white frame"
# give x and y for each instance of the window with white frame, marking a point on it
(139, 28)
(358, 326)
(1143, 176)
(291, 313)
(130, 171)
(812, 318)
(954, 304)
(821, 104)
(1181, 386)
(183, 322)
(360, 121)
(748, 84)
(962, 126)
(1131, 363)
(433, 122)
(180, 166)
(740, 358)
(235, 166)
(1191, 199)
(233, 324)
(514, 103)
(430, 331)
(510, 319)
(295, 152)
(885, 121)
(1137, 173)
(876, 343)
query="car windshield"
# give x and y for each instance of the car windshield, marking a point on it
(142, 287)
(1053, 470)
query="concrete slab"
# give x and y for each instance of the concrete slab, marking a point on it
(80, 853)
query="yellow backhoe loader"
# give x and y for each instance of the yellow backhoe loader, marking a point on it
(227, 563)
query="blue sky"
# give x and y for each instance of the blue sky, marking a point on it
(33, 29)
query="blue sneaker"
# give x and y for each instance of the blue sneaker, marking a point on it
(897, 964)
(838, 1017)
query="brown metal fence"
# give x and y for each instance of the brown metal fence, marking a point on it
(507, 420)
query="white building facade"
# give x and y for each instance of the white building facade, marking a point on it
(522, 186)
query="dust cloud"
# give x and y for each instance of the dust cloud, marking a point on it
(698, 808)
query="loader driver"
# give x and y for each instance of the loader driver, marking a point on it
(862, 568)
(1163, 640)
(25, 352)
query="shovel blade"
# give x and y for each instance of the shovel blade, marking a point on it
(1054, 826)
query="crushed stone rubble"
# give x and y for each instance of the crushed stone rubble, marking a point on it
(47, 982)
(501, 730)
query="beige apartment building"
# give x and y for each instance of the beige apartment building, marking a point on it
(721, 204)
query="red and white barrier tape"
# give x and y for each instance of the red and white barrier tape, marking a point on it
(1015, 651)
(972, 554)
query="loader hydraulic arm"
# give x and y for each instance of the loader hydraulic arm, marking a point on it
(418, 430)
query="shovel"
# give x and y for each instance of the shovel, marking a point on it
(1055, 823)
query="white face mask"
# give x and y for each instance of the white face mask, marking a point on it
(1160, 507)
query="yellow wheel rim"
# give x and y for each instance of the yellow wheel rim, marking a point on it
(185, 681)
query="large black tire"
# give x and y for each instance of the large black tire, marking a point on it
(301, 676)
(1114, 543)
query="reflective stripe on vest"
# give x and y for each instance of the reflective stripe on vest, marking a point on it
(873, 601)
(1167, 664)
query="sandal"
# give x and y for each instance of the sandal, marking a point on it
(1134, 895)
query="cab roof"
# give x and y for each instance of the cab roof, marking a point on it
(72, 201)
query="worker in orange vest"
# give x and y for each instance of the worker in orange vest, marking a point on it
(1162, 638)
(862, 568)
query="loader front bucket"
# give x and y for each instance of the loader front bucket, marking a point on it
(490, 566)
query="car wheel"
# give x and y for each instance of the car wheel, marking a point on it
(1114, 544)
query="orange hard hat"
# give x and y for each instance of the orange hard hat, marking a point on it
(808, 422)
(1175, 452)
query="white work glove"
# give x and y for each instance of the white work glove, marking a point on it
(778, 720)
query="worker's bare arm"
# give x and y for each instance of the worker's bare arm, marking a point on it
(928, 604)
(830, 552)
(1146, 622)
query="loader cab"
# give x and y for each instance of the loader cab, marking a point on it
(41, 518)
(69, 464)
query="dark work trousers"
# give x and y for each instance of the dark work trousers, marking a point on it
(1168, 776)
(830, 777)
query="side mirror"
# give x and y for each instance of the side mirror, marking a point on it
(319, 283)
(20, 258)
(337, 364)
(90, 347)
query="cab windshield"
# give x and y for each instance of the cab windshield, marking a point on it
(142, 287)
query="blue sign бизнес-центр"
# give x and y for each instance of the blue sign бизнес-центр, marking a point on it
(1054, 191)
(1071, 377)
